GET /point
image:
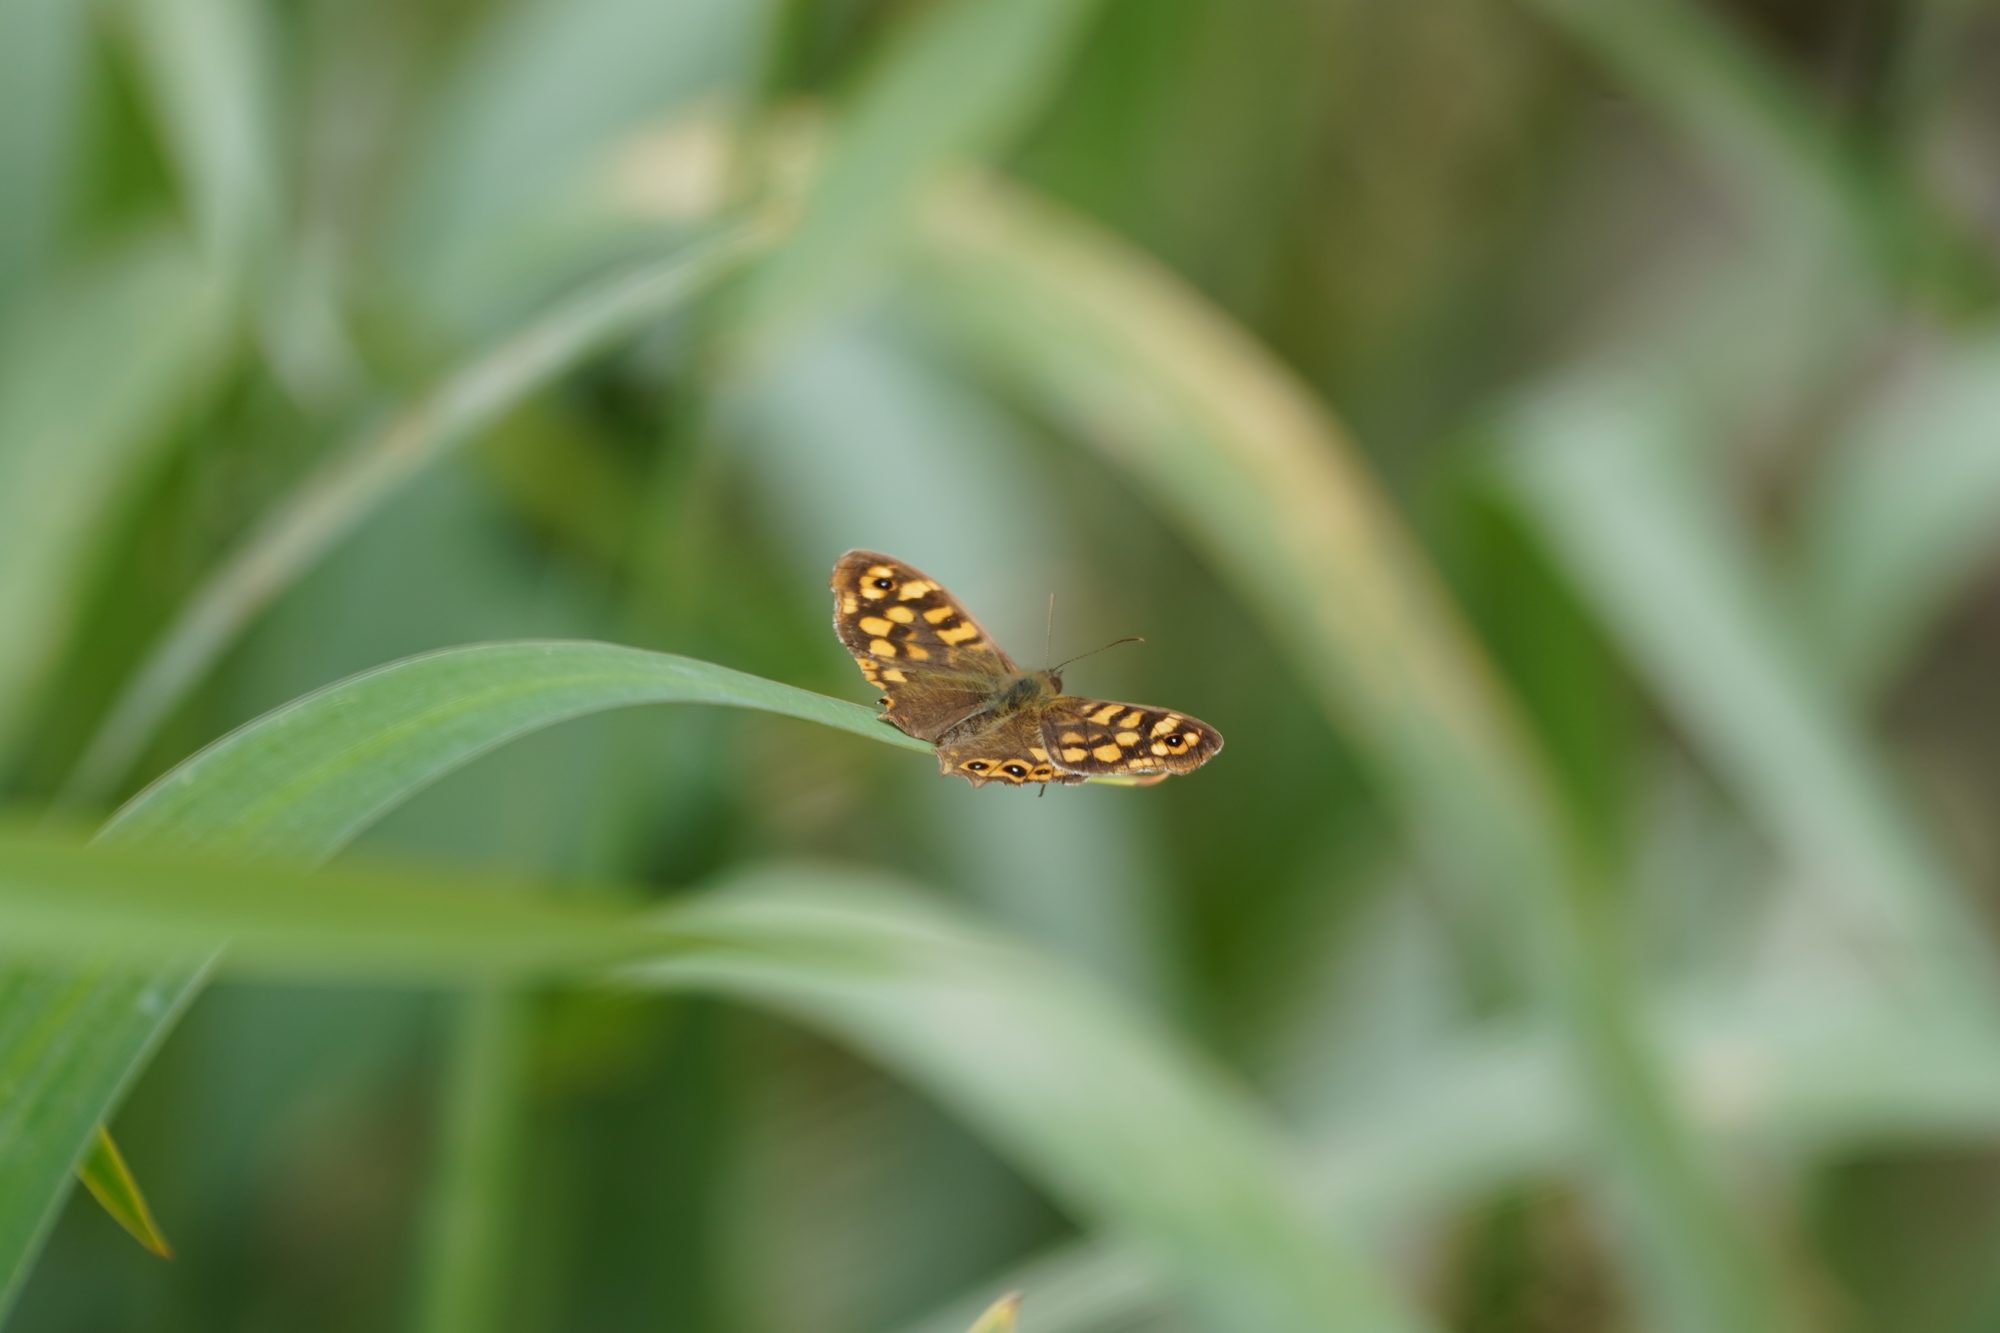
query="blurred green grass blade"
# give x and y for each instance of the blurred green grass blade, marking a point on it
(527, 114)
(1244, 460)
(110, 1182)
(1138, 1136)
(132, 907)
(1492, 1112)
(1900, 515)
(959, 79)
(1733, 104)
(206, 65)
(472, 1196)
(296, 533)
(1742, 112)
(43, 44)
(1617, 493)
(94, 371)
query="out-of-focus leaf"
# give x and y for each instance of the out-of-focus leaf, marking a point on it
(961, 77)
(110, 1182)
(328, 504)
(1138, 1136)
(1257, 473)
(1742, 113)
(1901, 513)
(1614, 487)
(42, 46)
(539, 100)
(206, 64)
(93, 372)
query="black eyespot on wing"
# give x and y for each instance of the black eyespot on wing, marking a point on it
(1016, 771)
(885, 584)
(977, 765)
(1174, 742)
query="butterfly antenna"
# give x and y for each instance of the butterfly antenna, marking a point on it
(1129, 638)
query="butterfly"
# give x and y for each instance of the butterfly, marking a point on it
(943, 679)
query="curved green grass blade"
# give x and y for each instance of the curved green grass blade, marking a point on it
(1130, 1131)
(352, 483)
(300, 782)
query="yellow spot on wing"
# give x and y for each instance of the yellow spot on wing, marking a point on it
(849, 603)
(1107, 754)
(1074, 753)
(1039, 753)
(875, 625)
(902, 615)
(916, 652)
(894, 675)
(1072, 738)
(959, 633)
(914, 589)
(939, 614)
(881, 648)
(1103, 716)
(873, 593)
(1160, 748)
(1166, 724)
(1131, 719)
(1128, 738)
(881, 571)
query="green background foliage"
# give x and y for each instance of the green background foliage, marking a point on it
(1553, 439)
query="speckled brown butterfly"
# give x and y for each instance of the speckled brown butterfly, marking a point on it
(944, 680)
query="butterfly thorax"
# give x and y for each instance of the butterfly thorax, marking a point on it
(1027, 690)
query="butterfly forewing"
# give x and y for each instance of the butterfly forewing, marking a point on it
(931, 662)
(1099, 738)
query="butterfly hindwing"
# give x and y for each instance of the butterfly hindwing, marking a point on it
(1099, 738)
(1007, 748)
(931, 662)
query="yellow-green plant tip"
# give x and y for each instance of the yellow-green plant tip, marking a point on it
(1001, 1316)
(110, 1182)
